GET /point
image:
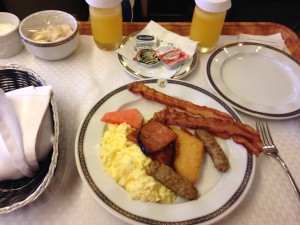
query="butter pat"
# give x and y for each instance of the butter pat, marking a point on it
(146, 40)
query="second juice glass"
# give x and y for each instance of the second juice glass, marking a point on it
(106, 22)
(207, 23)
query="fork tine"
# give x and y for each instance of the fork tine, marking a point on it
(263, 130)
(260, 131)
(268, 133)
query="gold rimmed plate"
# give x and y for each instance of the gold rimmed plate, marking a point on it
(141, 72)
(220, 193)
(257, 79)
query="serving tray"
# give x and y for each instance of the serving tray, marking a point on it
(292, 41)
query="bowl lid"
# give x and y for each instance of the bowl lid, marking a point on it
(103, 3)
(214, 5)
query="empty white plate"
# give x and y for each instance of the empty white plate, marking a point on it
(256, 79)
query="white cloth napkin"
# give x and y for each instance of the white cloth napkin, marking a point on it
(164, 36)
(26, 131)
(274, 40)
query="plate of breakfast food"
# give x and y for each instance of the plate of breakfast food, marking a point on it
(166, 152)
(257, 79)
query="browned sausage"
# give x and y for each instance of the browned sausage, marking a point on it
(168, 177)
(214, 150)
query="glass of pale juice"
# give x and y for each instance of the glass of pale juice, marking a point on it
(206, 28)
(107, 28)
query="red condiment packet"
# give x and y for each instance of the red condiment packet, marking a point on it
(173, 58)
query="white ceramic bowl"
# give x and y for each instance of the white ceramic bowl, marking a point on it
(54, 50)
(10, 41)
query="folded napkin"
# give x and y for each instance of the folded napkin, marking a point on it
(274, 40)
(166, 38)
(26, 131)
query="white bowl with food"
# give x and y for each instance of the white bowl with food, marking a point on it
(50, 34)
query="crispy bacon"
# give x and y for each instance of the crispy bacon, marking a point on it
(254, 147)
(241, 133)
(152, 94)
(218, 123)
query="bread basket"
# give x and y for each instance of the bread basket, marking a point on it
(15, 194)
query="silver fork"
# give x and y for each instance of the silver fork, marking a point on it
(269, 148)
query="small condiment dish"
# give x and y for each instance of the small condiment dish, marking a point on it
(10, 41)
(147, 57)
(41, 21)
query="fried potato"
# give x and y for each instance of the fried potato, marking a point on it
(188, 154)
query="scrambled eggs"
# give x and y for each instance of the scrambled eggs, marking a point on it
(127, 165)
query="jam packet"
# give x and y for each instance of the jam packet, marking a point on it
(173, 58)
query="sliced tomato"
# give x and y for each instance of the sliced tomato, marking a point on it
(130, 116)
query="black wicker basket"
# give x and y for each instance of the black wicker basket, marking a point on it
(17, 193)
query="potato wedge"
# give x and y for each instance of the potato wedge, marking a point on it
(188, 154)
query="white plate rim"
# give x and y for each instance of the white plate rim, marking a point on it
(179, 75)
(127, 216)
(238, 105)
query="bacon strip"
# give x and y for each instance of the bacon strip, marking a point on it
(241, 133)
(253, 147)
(153, 95)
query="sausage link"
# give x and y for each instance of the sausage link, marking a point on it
(168, 177)
(214, 150)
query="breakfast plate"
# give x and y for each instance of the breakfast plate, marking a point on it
(220, 193)
(256, 79)
(142, 72)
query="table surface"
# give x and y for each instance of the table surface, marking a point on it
(81, 79)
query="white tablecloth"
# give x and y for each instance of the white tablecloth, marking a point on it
(78, 83)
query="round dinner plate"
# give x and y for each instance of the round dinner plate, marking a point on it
(256, 79)
(139, 71)
(220, 193)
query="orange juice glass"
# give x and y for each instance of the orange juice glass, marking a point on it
(107, 28)
(207, 23)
